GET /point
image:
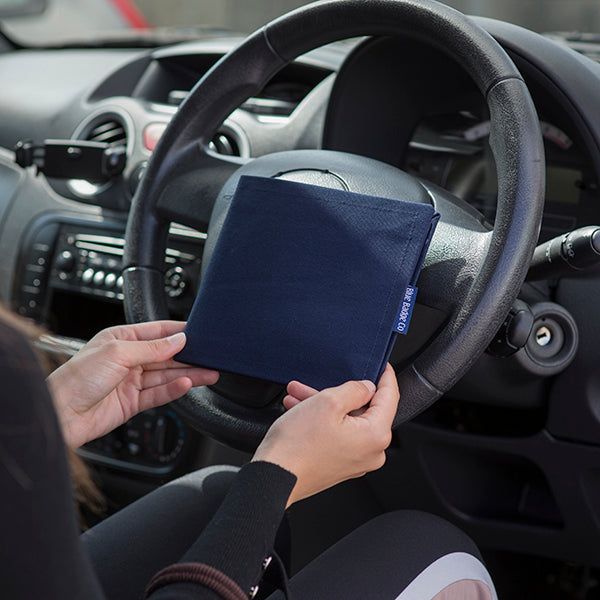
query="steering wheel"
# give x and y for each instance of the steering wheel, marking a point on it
(471, 274)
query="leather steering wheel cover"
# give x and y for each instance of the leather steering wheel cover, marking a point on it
(439, 25)
(515, 139)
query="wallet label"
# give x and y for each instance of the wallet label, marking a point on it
(408, 303)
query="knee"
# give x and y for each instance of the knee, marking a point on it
(422, 532)
(439, 560)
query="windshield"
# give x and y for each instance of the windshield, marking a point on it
(66, 21)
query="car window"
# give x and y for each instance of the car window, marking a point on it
(63, 21)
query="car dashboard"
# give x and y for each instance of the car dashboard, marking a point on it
(401, 101)
(66, 273)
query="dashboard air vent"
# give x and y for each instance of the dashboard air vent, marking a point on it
(109, 131)
(226, 144)
(107, 128)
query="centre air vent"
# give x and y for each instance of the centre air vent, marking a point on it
(107, 130)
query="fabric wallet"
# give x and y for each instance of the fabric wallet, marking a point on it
(307, 283)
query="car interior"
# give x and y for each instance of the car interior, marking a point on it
(117, 164)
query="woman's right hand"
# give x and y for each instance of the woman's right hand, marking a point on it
(328, 437)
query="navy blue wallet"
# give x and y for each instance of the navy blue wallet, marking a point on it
(308, 283)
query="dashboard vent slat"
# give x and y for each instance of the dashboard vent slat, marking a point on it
(225, 144)
(111, 132)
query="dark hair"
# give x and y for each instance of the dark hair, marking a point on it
(85, 490)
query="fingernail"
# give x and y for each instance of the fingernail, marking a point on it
(369, 385)
(176, 339)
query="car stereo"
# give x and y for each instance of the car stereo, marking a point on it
(70, 275)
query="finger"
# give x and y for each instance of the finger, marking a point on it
(167, 364)
(300, 390)
(384, 403)
(150, 330)
(163, 394)
(197, 376)
(137, 353)
(290, 401)
(171, 363)
(350, 396)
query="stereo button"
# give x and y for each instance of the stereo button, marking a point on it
(99, 277)
(87, 276)
(110, 280)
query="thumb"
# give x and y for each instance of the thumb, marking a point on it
(151, 351)
(353, 395)
(384, 403)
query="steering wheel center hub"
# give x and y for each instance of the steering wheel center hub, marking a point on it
(315, 177)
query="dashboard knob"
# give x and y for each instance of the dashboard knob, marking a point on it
(65, 261)
(176, 282)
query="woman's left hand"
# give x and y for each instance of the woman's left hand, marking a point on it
(120, 372)
(333, 435)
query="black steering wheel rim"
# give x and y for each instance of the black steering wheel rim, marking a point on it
(515, 140)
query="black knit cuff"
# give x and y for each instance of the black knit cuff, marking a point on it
(198, 573)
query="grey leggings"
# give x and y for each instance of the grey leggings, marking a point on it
(402, 555)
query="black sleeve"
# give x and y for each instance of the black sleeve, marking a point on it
(226, 560)
(40, 553)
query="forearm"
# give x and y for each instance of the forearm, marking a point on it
(239, 537)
